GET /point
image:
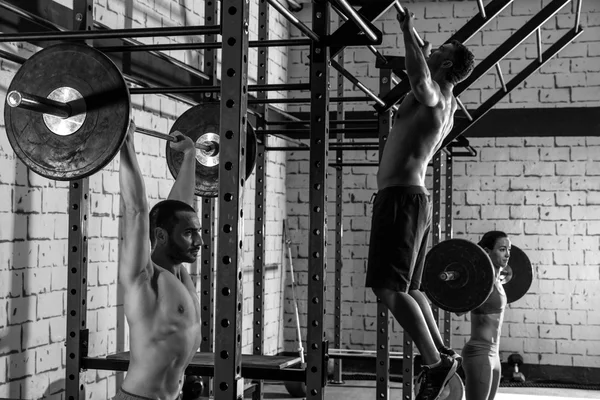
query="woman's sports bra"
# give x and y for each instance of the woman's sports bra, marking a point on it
(495, 303)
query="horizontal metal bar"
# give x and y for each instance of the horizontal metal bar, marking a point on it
(30, 16)
(331, 122)
(513, 83)
(351, 14)
(301, 131)
(170, 138)
(356, 82)
(200, 46)
(111, 33)
(42, 105)
(295, 21)
(333, 148)
(163, 56)
(306, 100)
(217, 89)
(339, 165)
(250, 372)
(372, 48)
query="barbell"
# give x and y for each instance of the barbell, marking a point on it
(458, 275)
(69, 111)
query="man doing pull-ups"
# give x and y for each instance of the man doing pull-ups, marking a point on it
(161, 304)
(402, 210)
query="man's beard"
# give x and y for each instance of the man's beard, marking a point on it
(179, 253)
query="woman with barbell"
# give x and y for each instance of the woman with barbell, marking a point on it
(481, 360)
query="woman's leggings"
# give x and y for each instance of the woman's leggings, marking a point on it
(481, 364)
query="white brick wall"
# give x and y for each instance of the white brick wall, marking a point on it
(34, 227)
(542, 190)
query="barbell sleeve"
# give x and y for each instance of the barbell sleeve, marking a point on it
(449, 276)
(399, 9)
(42, 105)
(27, 101)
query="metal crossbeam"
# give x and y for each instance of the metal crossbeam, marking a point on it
(474, 25)
(459, 129)
(349, 29)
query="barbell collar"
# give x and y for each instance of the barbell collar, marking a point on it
(42, 105)
(449, 276)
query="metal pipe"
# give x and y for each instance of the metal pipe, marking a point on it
(399, 9)
(12, 57)
(449, 276)
(171, 138)
(216, 89)
(538, 34)
(111, 34)
(481, 9)
(26, 101)
(306, 100)
(200, 46)
(162, 56)
(578, 15)
(502, 82)
(351, 13)
(356, 82)
(30, 16)
(332, 147)
(339, 165)
(17, 99)
(372, 48)
(332, 122)
(464, 109)
(308, 130)
(295, 21)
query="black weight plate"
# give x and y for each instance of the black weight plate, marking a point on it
(476, 280)
(521, 275)
(108, 109)
(195, 122)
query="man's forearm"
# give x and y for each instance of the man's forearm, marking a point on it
(415, 62)
(133, 191)
(185, 184)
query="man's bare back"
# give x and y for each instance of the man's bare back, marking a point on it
(416, 135)
(161, 304)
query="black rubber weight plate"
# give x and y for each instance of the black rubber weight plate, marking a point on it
(101, 136)
(522, 276)
(475, 283)
(195, 122)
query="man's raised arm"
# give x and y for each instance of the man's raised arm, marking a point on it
(426, 91)
(185, 184)
(134, 261)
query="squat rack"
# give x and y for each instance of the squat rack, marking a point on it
(228, 366)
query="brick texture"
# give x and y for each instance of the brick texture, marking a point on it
(34, 224)
(543, 191)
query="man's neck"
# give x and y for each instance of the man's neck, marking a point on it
(161, 259)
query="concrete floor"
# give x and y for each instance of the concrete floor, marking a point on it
(365, 390)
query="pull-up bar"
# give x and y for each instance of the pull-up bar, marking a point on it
(400, 10)
(351, 13)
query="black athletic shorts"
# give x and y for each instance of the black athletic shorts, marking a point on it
(399, 234)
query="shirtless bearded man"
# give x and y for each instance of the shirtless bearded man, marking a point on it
(161, 304)
(402, 210)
